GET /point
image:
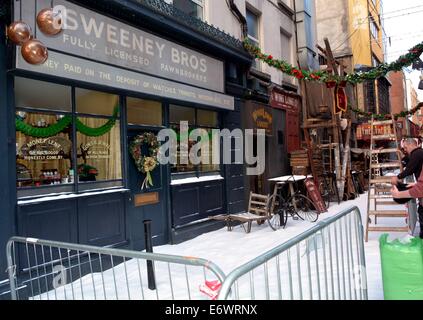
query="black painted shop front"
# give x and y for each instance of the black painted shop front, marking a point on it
(53, 194)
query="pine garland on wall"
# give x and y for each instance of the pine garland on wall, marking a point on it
(64, 123)
(331, 79)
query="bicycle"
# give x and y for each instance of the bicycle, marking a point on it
(328, 188)
(298, 206)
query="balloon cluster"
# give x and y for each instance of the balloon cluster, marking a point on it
(34, 51)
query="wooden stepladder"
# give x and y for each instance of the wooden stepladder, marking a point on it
(379, 185)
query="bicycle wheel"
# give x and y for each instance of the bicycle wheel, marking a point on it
(277, 212)
(304, 208)
(325, 193)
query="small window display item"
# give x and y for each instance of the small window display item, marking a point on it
(50, 177)
(87, 173)
(23, 175)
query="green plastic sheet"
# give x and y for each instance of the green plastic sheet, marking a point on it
(402, 268)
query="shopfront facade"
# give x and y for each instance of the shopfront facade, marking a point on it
(67, 126)
(280, 119)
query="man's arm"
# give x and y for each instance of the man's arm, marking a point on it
(400, 194)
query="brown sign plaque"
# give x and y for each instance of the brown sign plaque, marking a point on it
(146, 199)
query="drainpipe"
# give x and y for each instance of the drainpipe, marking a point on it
(303, 86)
(235, 11)
(407, 124)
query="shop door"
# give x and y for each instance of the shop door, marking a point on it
(292, 132)
(147, 204)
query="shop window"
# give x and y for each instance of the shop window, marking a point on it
(45, 150)
(198, 119)
(43, 161)
(99, 158)
(95, 102)
(33, 94)
(207, 118)
(178, 114)
(144, 112)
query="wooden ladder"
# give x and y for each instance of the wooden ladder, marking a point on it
(379, 186)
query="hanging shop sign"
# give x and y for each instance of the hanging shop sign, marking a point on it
(263, 120)
(97, 37)
(364, 131)
(341, 100)
(284, 101)
(65, 66)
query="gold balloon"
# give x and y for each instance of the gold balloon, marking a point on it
(34, 52)
(19, 32)
(49, 22)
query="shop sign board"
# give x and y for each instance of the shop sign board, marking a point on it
(70, 67)
(97, 37)
(285, 101)
(263, 120)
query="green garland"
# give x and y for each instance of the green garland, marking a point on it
(377, 116)
(64, 123)
(97, 132)
(50, 131)
(325, 77)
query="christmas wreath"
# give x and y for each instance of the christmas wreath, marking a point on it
(145, 163)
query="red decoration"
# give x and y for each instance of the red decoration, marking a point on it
(316, 197)
(270, 57)
(297, 73)
(331, 84)
(341, 100)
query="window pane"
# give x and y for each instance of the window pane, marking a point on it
(207, 156)
(183, 168)
(95, 102)
(43, 161)
(252, 23)
(207, 118)
(42, 95)
(144, 112)
(99, 158)
(178, 114)
(286, 47)
(191, 7)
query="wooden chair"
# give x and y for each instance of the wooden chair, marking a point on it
(257, 211)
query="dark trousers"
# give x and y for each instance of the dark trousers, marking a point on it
(420, 212)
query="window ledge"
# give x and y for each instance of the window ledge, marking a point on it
(66, 196)
(177, 182)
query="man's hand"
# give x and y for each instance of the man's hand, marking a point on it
(395, 192)
(394, 181)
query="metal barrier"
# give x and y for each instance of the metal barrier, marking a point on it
(325, 262)
(51, 270)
